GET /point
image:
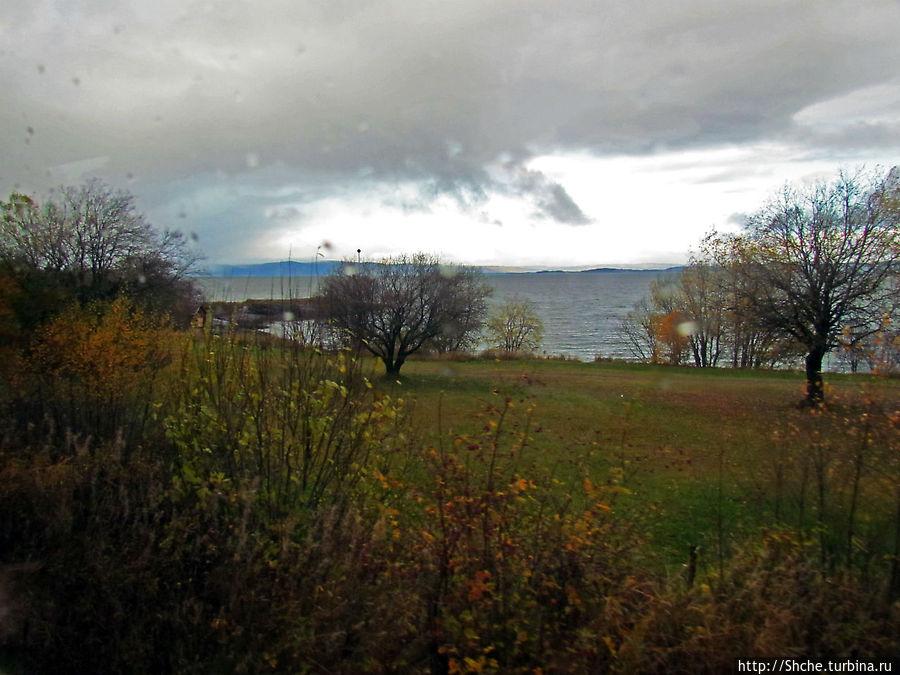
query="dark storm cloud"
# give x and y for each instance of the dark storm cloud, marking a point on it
(550, 199)
(433, 93)
(561, 207)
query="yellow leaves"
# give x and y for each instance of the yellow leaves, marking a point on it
(271, 660)
(479, 586)
(109, 349)
(572, 595)
(610, 645)
(381, 478)
(521, 484)
(470, 665)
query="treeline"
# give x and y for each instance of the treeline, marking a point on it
(815, 270)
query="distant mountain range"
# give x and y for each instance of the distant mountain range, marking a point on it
(293, 268)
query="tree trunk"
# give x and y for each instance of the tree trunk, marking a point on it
(815, 391)
(392, 366)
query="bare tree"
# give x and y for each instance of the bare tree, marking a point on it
(727, 326)
(93, 241)
(637, 331)
(395, 307)
(660, 328)
(819, 261)
(516, 327)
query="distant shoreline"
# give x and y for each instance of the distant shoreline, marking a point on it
(322, 268)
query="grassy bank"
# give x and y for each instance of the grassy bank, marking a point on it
(259, 506)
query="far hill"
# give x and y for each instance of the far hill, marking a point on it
(619, 270)
(293, 268)
(613, 270)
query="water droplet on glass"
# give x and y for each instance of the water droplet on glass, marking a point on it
(252, 160)
(687, 328)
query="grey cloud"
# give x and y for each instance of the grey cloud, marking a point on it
(551, 199)
(739, 219)
(428, 92)
(283, 212)
(853, 136)
(557, 204)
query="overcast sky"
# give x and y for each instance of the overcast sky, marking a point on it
(519, 132)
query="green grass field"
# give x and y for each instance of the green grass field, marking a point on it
(276, 505)
(695, 448)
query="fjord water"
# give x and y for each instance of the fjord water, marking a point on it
(581, 311)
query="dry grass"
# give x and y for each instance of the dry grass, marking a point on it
(695, 446)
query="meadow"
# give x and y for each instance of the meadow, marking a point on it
(706, 451)
(235, 502)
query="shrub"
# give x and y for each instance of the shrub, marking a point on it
(774, 601)
(93, 372)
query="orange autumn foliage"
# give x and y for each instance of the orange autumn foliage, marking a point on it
(671, 343)
(92, 363)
